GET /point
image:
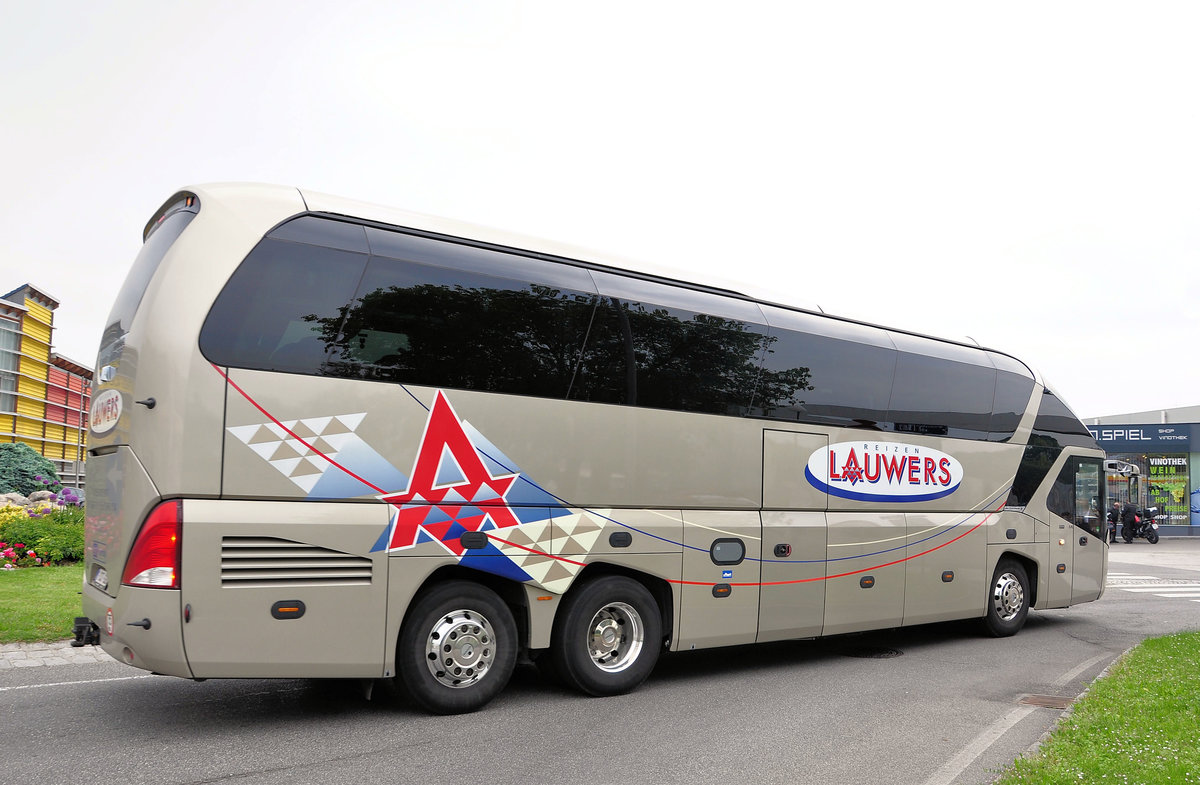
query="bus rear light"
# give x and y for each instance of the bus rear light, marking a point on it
(154, 559)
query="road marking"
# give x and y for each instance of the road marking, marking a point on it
(65, 683)
(1162, 587)
(952, 768)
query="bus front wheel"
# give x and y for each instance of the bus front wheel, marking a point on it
(1008, 599)
(457, 648)
(607, 637)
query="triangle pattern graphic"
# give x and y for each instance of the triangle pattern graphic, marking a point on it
(449, 473)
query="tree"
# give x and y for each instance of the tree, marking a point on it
(20, 467)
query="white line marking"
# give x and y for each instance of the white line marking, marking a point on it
(1066, 678)
(977, 746)
(1162, 587)
(952, 768)
(65, 683)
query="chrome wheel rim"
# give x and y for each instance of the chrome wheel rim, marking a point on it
(616, 636)
(460, 648)
(1008, 597)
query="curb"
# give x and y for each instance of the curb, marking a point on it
(39, 655)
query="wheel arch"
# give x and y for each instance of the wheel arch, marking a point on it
(1031, 571)
(510, 592)
(659, 589)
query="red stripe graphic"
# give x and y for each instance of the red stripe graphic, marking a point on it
(289, 432)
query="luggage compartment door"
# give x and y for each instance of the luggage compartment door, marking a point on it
(283, 589)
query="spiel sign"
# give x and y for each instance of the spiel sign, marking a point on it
(883, 472)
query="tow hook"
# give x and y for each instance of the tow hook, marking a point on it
(86, 632)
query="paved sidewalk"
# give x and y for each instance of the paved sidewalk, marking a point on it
(36, 655)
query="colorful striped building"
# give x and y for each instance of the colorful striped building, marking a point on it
(44, 397)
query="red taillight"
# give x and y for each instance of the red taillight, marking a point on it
(154, 559)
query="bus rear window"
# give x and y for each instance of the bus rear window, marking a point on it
(161, 233)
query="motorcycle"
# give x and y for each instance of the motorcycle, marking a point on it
(1144, 525)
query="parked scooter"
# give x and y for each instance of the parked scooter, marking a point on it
(1143, 525)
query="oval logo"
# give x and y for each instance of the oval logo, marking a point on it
(106, 410)
(883, 472)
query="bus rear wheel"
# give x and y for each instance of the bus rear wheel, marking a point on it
(607, 637)
(457, 648)
(1008, 599)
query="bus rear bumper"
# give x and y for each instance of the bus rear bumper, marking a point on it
(139, 627)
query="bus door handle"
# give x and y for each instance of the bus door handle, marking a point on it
(1083, 540)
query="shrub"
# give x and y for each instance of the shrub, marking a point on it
(23, 470)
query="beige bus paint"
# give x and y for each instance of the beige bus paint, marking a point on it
(1024, 528)
(650, 531)
(863, 589)
(159, 648)
(708, 618)
(244, 557)
(792, 596)
(785, 455)
(928, 595)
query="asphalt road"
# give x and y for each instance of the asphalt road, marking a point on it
(932, 705)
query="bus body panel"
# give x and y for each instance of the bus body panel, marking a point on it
(792, 597)
(949, 582)
(864, 586)
(785, 458)
(158, 648)
(719, 597)
(304, 598)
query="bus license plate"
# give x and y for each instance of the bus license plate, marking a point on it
(100, 579)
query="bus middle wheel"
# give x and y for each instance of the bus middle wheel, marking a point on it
(608, 637)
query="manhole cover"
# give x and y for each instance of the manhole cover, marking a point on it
(872, 653)
(1047, 701)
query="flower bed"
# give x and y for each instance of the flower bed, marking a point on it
(47, 529)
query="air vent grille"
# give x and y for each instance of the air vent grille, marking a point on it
(253, 562)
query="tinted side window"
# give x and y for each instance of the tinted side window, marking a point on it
(1057, 422)
(938, 396)
(272, 315)
(1055, 428)
(1012, 399)
(823, 371)
(1040, 454)
(670, 348)
(420, 324)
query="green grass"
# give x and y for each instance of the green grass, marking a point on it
(39, 603)
(1140, 724)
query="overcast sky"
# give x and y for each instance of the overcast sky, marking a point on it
(1026, 174)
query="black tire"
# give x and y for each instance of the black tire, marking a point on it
(472, 633)
(1007, 599)
(1152, 536)
(607, 637)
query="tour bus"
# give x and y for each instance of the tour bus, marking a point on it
(330, 439)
